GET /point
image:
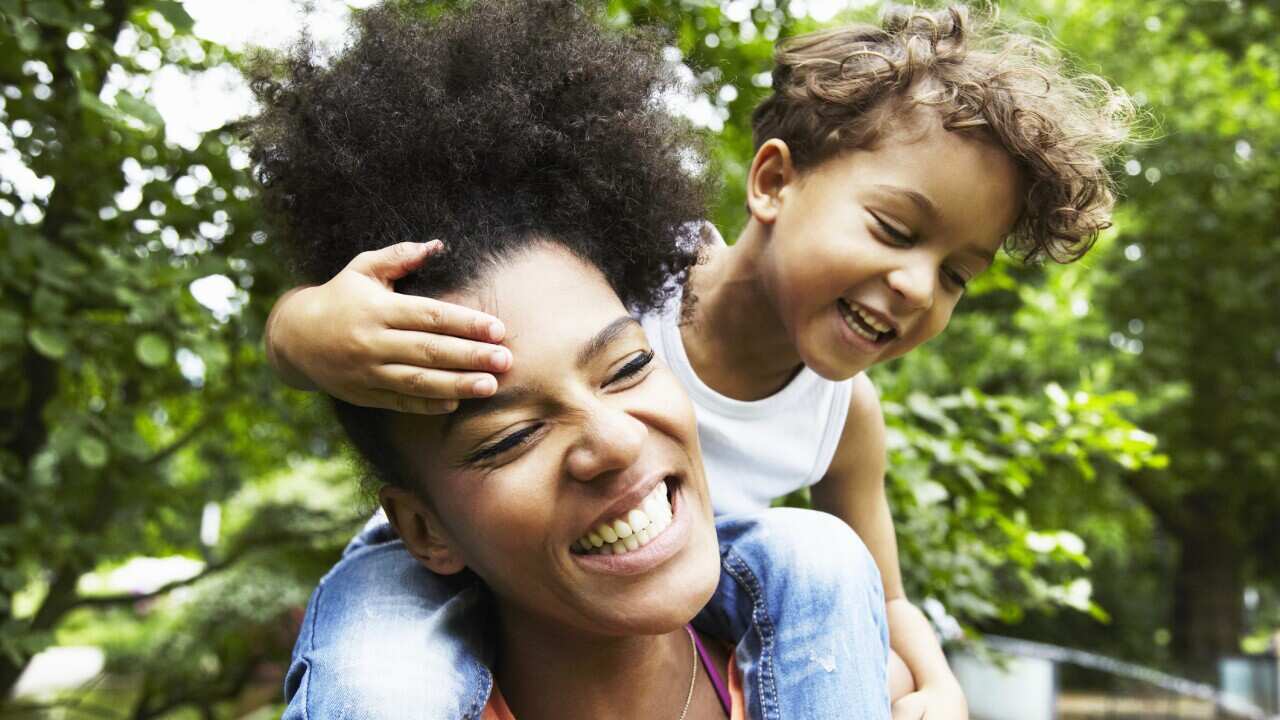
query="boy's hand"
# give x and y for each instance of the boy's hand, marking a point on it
(357, 339)
(932, 703)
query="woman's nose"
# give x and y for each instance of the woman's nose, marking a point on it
(611, 440)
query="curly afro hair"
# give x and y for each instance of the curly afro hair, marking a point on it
(495, 127)
(488, 127)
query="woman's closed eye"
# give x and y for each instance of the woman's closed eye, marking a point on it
(503, 445)
(632, 371)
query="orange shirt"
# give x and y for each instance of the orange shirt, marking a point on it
(496, 708)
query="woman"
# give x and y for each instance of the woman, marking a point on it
(531, 140)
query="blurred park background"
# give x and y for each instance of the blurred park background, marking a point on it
(1087, 459)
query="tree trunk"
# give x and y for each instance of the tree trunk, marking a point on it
(1208, 606)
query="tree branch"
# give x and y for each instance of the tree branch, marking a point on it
(186, 438)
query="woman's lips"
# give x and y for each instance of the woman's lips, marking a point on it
(660, 548)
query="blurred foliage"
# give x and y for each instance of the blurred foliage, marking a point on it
(1024, 473)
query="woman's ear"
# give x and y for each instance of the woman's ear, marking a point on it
(420, 529)
(771, 172)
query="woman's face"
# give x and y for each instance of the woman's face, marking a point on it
(585, 432)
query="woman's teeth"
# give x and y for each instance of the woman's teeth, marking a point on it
(870, 327)
(633, 530)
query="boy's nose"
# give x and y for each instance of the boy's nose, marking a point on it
(611, 440)
(914, 284)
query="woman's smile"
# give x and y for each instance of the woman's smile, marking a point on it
(663, 531)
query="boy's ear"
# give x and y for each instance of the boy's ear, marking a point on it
(771, 171)
(421, 530)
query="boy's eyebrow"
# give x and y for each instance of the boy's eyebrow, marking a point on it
(925, 204)
(518, 394)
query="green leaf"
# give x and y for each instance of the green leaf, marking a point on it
(50, 12)
(28, 35)
(92, 451)
(175, 13)
(49, 343)
(89, 101)
(152, 350)
(10, 327)
(140, 109)
(81, 66)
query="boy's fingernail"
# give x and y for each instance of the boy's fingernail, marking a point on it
(496, 331)
(485, 386)
(432, 245)
(500, 359)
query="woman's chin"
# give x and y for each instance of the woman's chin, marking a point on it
(671, 604)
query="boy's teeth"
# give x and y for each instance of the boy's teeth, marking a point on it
(633, 530)
(872, 321)
(847, 311)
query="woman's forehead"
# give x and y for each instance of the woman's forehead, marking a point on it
(545, 297)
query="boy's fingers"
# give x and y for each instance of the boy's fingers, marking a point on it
(411, 312)
(394, 261)
(388, 400)
(435, 384)
(442, 352)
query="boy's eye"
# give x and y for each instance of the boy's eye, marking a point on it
(509, 442)
(896, 236)
(633, 367)
(956, 278)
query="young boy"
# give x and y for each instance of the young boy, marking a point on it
(891, 164)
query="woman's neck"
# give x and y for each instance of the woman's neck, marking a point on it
(735, 341)
(547, 673)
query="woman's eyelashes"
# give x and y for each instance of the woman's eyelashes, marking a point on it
(499, 447)
(633, 368)
(631, 372)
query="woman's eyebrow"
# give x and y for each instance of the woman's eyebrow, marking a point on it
(503, 399)
(601, 340)
(520, 394)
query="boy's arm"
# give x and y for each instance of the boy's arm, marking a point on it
(358, 340)
(853, 490)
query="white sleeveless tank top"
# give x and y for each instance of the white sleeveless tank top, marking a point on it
(757, 450)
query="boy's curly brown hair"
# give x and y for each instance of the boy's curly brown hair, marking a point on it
(846, 89)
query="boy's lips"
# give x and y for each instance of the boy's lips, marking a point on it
(863, 327)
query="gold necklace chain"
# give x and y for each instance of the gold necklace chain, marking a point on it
(693, 677)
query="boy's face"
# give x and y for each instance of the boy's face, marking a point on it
(586, 428)
(869, 251)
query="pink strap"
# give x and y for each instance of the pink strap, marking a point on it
(717, 682)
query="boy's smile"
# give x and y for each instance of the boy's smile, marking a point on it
(865, 256)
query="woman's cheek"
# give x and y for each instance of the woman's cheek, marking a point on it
(673, 402)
